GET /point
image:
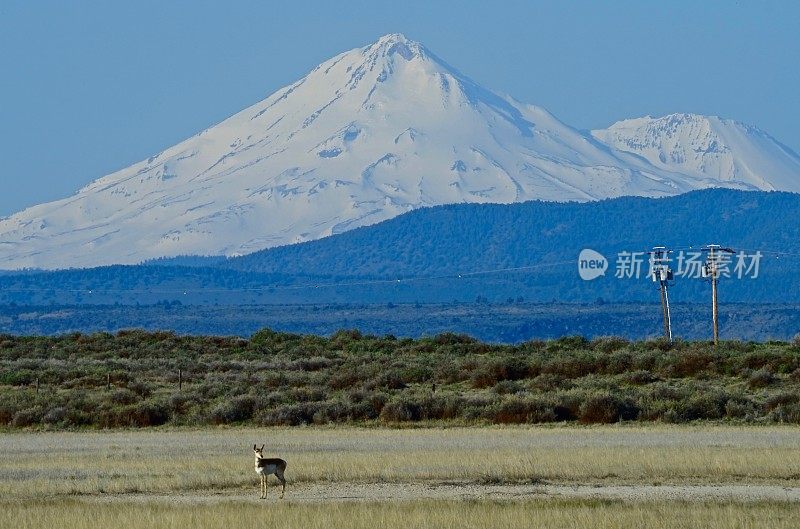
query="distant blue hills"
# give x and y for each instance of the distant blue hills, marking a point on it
(468, 253)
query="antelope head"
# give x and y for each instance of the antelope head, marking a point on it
(259, 451)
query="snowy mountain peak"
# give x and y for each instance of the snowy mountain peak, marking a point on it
(365, 136)
(721, 150)
(397, 43)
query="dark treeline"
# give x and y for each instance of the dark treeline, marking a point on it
(512, 321)
(138, 378)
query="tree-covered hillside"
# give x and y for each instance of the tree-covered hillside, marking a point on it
(472, 252)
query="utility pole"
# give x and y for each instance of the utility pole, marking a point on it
(661, 273)
(712, 271)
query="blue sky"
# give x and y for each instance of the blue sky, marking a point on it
(88, 88)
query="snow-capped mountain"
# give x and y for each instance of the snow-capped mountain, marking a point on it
(365, 136)
(708, 146)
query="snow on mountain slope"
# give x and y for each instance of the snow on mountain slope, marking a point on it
(365, 136)
(708, 146)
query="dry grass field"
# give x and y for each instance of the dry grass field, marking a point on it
(433, 477)
(404, 515)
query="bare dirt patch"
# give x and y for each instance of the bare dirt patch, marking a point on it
(381, 492)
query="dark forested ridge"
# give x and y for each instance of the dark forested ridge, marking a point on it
(468, 237)
(440, 254)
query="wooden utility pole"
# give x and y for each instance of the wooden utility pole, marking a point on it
(714, 309)
(662, 274)
(180, 379)
(712, 271)
(665, 311)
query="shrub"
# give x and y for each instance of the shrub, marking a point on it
(762, 378)
(416, 374)
(781, 399)
(290, 415)
(237, 409)
(332, 412)
(400, 410)
(449, 338)
(575, 365)
(549, 382)
(179, 403)
(55, 415)
(702, 406)
(345, 377)
(80, 418)
(534, 346)
(135, 415)
(390, 379)
(506, 387)
(27, 417)
(440, 407)
(306, 395)
(661, 344)
(21, 377)
(342, 337)
(448, 372)
(148, 414)
(140, 388)
(609, 344)
(377, 401)
(754, 360)
(606, 408)
(692, 362)
(263, 338)
(619, 362)
(7, 412)
(651, 409)
(740, 408)
(517, 410)
(568, 343)
(567, 407)
(315, 363)
(341, 411)
(485, 376)
(124, 396)
(789, 412)
(640, 377)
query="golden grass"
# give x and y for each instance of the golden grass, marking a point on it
(405, 515)
(217, 459)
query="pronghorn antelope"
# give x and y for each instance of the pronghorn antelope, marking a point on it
(269, 465)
